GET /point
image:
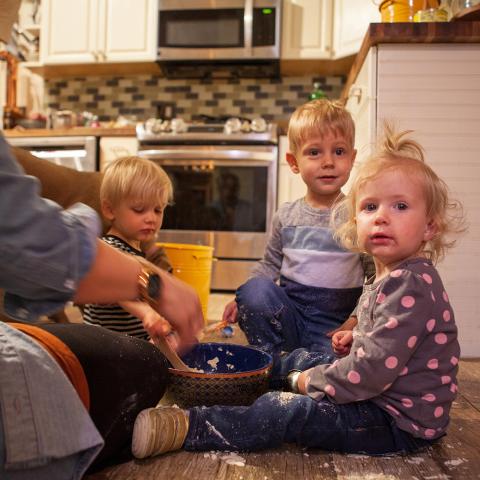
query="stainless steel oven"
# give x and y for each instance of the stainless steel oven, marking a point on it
(79, 152)
(224, 194)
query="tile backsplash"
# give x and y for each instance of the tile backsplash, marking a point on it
(138, 96)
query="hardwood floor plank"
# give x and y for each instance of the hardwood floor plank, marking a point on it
(455, 457)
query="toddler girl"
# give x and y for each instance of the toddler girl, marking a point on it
(392, 388)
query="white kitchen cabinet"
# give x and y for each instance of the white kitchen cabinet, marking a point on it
(433, 89)
(93, 31)
(112, 148)
(350, 22)
(306, 29)
(325, 29)
(290, 185)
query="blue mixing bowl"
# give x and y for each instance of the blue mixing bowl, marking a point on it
(224, 374)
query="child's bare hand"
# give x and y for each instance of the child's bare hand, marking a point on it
(155, 324)
(348, 324)
(342, 342)
(231, 312)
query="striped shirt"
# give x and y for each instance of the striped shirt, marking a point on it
(113, 316)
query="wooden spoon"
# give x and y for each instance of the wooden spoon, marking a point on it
(171, 354)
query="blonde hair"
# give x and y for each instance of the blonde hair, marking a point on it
(319, 117)
(135, 177)
(398, 152)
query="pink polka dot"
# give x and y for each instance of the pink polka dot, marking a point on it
(407, 301)
(440, 338)
(445, 296)
(391, 362)
(433, 296)
(353, 376)
(429, 432)
(307, 381)
(407, 403)
(412, 341)
(429, 397)
(393, 409)
(360, 352)
(415, 427)
(334, 364)
(392, 323)
(446, 379)
(381, 297)
(438, 412)
(386, 387)
(454, 360)
(396, 273)
(432, 364)
(369, 334)
(453, 388)
(427, 278)
(404, 371)
(446, 315)
(431, 324)
(330, 390)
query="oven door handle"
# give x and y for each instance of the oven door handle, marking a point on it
(192, 154)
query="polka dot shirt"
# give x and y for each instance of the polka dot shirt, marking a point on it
(404, 355)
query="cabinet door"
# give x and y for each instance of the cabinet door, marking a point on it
(350, 23)
(68, 28)
(128, 30)
(307, 29)
(290, 185)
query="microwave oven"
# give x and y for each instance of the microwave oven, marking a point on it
(218, 30)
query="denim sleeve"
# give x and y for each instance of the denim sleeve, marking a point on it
(44, 250)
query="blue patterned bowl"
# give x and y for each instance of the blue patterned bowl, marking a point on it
(226, 374)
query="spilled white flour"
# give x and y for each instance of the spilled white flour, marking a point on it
(456, 462)
(230, 458)
(213, 362)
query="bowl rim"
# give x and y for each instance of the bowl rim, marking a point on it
(248, 373)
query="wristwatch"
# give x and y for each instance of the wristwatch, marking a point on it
(292, 380)
(149, 285)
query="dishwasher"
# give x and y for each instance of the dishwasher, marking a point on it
(78, 152)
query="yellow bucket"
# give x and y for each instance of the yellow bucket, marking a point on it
(193, 265)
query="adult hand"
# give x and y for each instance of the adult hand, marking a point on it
(341, 342)
(180, 305)
(230, 313)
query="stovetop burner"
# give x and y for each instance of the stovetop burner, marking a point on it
(205, 129)
(218, 119)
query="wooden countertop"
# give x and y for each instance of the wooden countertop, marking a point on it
(71, 132)
(431, 32)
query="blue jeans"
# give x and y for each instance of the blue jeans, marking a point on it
(288, 316)
(279, 417)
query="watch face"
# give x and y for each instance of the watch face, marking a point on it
(153, 285)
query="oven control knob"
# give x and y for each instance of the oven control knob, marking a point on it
(245, 126)
(232, 125)
(259, 125)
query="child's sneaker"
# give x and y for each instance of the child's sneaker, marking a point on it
(159, 430)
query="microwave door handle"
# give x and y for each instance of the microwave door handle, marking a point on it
(248, 26)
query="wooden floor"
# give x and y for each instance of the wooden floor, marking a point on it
(457, 456)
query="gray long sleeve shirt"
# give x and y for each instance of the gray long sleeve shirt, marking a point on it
(404, 355)
(301, 248)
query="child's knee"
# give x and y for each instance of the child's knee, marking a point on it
(255, 291)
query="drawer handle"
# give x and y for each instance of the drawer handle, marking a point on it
(355, 92)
